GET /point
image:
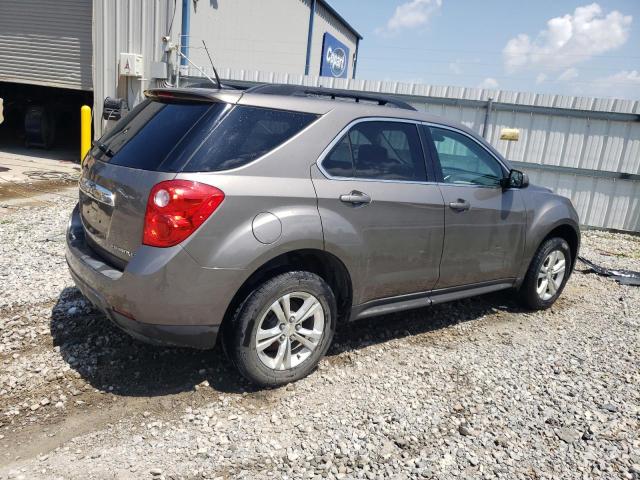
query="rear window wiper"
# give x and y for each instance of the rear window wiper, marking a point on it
(104, 149)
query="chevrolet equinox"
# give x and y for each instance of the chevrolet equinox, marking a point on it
(265, 217)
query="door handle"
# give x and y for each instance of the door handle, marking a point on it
(355, 198)
(460, 205)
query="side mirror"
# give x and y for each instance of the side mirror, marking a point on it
(516, 179)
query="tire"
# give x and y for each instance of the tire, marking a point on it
(260, 313)
(535, 294)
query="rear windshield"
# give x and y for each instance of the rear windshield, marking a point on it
(151, 133)
(196, 137)
(245, 134)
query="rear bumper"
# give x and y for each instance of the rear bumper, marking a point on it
(193, 336)
(162, 297)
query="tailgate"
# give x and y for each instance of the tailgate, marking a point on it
(146, 147)
(113, 201)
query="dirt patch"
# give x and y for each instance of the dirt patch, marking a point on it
(33, 189)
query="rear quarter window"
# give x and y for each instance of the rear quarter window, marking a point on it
(245, 134)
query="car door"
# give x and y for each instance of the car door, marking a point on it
(379, 213)
(484, 223)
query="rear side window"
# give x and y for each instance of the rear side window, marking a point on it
(245, 134)
(146, 137)
(378, 150)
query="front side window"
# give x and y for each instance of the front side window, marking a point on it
(245, 134)
(463, 161)
(378, 150)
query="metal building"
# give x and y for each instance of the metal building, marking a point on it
(60, 54)
(269, 35)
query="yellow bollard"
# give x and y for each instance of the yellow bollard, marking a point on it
(85, 131)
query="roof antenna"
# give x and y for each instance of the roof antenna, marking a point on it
(215, 72)
(196, 66)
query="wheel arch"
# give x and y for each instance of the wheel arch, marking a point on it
(563, 228)
(569, 233)
(324, 264)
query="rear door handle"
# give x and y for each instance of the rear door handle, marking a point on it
(460, 205)
(355, 198)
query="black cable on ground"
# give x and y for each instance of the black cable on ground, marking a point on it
(623, 277)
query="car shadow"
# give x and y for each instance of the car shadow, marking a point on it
(112, 361)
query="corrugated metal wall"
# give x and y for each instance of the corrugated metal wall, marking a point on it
(587, 149)
(127, 26)
(578, 147)
(266, 35)
(269, 33)
(44, 42)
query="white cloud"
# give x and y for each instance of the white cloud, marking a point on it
(623, 84)
(489, 83)
(568, 40)
(627, 78)
(541, 78)
(568, 74)
(411, 14)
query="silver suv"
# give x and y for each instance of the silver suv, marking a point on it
(266, 217)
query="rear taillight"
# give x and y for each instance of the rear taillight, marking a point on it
(175, 209)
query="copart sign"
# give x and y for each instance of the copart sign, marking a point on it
(335, 57)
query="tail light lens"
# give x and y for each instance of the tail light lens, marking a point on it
(176, 208)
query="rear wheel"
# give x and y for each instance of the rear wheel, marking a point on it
(282, 329)
(547, 274)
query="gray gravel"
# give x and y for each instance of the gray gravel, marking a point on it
(473, 389)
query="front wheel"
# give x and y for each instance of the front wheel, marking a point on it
(547, 275)
(284, 327)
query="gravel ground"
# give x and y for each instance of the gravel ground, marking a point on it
(472, 389)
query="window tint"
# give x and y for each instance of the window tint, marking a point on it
(378, 150)
(149, 133)
(464, 161)
(245, 134)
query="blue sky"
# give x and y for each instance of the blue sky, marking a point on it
(554, 46)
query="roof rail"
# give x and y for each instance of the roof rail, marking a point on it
(302, 91)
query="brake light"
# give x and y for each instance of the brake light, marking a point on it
(175, 209)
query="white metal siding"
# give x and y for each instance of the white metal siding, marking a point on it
(240, 34)
(46, 42)
(247, 34)
(132, 27)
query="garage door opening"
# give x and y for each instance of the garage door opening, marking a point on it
(42, 121)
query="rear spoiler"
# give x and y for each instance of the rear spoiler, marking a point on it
(207, 95)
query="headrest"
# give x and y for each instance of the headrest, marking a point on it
(372, 154)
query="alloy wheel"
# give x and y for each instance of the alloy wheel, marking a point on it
(290, 330)
(551, 275)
